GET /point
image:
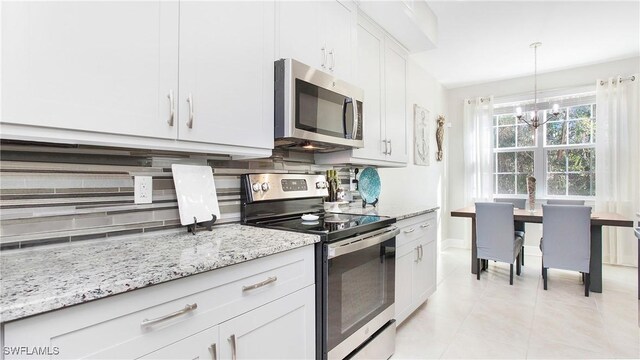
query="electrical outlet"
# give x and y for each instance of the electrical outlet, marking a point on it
(143, 189)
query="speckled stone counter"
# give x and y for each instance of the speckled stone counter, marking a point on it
(398, 211)
(52, 277)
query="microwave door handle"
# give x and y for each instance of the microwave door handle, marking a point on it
(344, 116)
(354, 132)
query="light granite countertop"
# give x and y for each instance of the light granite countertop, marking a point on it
(53, 277)
(398, 211)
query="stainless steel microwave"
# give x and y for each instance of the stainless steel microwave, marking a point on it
(314, 110)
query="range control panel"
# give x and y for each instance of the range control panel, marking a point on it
(260, 187)
(294, 184)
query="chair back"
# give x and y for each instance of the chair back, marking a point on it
(565, 202)
(494, 231)
(517, 203)
(566, 237)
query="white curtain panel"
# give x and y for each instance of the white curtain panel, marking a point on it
(478, 159)
(617, 164)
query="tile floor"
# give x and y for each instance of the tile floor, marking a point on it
(488, 319)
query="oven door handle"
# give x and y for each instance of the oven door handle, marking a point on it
(361, 242)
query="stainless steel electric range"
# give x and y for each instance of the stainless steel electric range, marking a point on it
(355, 262)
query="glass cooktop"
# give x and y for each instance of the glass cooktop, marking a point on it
(334, 225)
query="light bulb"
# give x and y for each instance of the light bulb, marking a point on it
(556, 109)
(518, 111)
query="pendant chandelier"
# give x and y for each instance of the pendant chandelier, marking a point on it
(534, 118)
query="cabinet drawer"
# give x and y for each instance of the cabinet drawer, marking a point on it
(416, 227)
(115, 327)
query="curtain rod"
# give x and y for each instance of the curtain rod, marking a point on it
(619, 79)
(482, 99)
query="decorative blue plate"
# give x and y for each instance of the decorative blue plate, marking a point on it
(369, 185)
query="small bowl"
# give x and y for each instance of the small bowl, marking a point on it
(309, 217)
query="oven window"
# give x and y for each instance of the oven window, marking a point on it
(360, 286)
(319, 110)
(362, 292)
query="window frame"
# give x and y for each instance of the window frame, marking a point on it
(540, 150)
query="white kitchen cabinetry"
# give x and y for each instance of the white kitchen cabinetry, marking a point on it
(108, 67)
(120, 73)
(283, 329)
(321, 34)
(382, 74)
(416, 263)
(207, 307)
(226, 72)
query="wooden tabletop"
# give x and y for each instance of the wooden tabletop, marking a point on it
(597, 218)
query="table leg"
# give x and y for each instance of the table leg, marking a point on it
(595, 267)
(474, 250)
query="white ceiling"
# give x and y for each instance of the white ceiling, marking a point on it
(482, 41)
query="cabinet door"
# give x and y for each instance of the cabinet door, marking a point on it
(339, 27)
(91, 66)
(370, 78)
(203, 345)
(226, 72)
(282, 329)
(396, 101)
(299, 31)
(424, 279)
(406, 257)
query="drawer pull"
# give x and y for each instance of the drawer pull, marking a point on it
(234, 351)
(187, 308)
(410, 230)
(269, 280)
(425, 225)
(214, 351)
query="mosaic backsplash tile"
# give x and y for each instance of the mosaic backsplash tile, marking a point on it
(52, 194)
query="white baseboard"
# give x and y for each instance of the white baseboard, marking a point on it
(453, 243)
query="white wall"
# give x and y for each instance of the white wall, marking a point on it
(420, 185)
(459, 231)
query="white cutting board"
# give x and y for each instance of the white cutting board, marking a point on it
(196, 193)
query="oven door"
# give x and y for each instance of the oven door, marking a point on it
(360, 289)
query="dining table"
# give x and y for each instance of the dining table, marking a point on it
(598, 220)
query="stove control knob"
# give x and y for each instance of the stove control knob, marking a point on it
(255, 187)
(265, 186)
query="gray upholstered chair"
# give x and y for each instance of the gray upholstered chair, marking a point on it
(565, 202)
(495, 236)
(518, 225)
(566, 240)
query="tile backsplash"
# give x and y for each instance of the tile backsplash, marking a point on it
(52, 194)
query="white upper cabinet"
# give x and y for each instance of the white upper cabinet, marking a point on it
(321, 34)
(370, 77)
(226, 72)
(108, 67)
(188, 76)
(395, 102)
(382, 74)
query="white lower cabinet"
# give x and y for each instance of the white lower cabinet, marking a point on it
(267, 304)
(283, 329)
(416, 263)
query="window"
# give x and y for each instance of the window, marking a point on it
(562, 152)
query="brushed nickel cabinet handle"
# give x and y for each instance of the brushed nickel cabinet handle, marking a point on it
(172, 108)
(417, 254)
(324, 56)
(333, 59)
(386, 152)
(191, 114)
(234, 352)
(425, 225)
(390, 148)
(409, 231)
(421, 252)
(269, 280)
(187, 308)
(214, 351)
